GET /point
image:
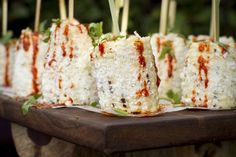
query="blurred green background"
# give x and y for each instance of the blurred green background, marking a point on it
(193, 16)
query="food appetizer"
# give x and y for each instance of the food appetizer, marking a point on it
(67, 77)
(169, 51)
(126, 76)
(7, 51)
(28, 67)
(209, 74)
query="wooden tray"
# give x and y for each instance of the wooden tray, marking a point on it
(119, 134)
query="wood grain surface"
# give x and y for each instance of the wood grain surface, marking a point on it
(119, 134)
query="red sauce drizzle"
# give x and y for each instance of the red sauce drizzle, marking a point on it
(80, 28)
(139, 47)
(91, 57)
(66, 30)
(101, 49)
(71, 52)
(26, 42)
(158, 78)
(63, 49)
(204, 47)
(158, 44)
(71, 100)
(143, 92)
(194, 96)
(223, 50)
(6, 74)
(139, 76)
(59, 83)
(34, 69)
(202, 66)
(205, 101)
(170, 60)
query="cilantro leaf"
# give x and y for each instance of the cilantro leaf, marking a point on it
(167, 49)
(47, 35)
(57, 21)
(29, 103)
(94, 104)
(42, 26)
(164, 51)
(95, 32)
(7, 37)
(174, 96)
(120, 112)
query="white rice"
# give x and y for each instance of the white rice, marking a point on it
(67, 77)
(170, 67)
(28, 65)
(209, 76)
(223, 39)
(126, 75)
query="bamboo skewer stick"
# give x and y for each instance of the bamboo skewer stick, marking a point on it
(125, 18)
(114, 17)
(211, 24)
(4, 17)
(37, 16)
(71, 10)
(62, 9)
(164, 16)
(216, 20)
(172, 13)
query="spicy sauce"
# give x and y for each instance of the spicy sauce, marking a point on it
(194, 96)
(205, 101)
(140, 48)
(34, 69)
(63, 49)
(202, 67)
(144, 91)
(158, 44)
(6, 74)
(101, 48)
(203, 46)
(66, 31)
(170, 60)
(26, 42)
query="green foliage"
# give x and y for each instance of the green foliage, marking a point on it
(29, 103)
(7, 37)
(121, 112)
(174, 96)
(193, 17)
(167, 49)
(95, 32)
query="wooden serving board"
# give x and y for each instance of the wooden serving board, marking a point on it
(119, 134)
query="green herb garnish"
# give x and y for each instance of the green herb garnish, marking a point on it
(7, 37)
(224, 46)
(94, 104)
(174, 96)
(47, 35)
(57, 21)
(120, 112)
(95, 32)
(42, 26)
(167, 49)
(29, 103)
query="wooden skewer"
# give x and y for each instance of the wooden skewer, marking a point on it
(71, 10)
(164, 16)
(4, 17)
(216, 20)
(37, 16)
(114, 17)
(172, 13)
(62, 9)
(125, 18)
